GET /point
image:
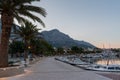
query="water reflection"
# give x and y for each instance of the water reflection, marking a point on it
(108, 61)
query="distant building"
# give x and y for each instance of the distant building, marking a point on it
(90, 49)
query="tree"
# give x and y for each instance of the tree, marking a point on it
(27, 32)
(46, 47)
(76, 49)
(16, 47)
(41, 47)
(60, 50)
(19, 10)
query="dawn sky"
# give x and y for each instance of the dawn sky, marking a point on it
(94, 21)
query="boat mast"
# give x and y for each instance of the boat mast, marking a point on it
(109, 51)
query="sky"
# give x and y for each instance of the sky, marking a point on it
(94, 21)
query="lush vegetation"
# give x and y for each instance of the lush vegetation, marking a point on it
(41, 47)
(76, 49)
(38, 47)
(60, 51)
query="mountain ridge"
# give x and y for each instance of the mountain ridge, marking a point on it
(59, 39)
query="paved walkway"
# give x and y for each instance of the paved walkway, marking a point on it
(50, 69)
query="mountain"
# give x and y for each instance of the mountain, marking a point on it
(84, 44)
(59, 39)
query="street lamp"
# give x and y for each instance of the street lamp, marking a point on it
(29, 47)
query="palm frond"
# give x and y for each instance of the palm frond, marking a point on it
(31, 16)
(19, 8)
(20, 2)
(27, 31)
(20, 19)
(36, 9)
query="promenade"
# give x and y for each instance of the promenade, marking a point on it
(50, 69)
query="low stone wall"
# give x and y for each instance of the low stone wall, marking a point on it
(11, 71)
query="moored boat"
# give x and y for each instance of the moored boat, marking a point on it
(106, 68)
(77, 61)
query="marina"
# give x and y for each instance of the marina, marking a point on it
(94, 62)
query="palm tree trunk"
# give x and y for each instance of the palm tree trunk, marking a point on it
(7, 22)
(26, 50)
(25, 54)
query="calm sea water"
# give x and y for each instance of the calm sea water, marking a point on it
(108, 61)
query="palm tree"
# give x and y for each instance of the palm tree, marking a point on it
(27, 32)
(41, 47)
(20, 10)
